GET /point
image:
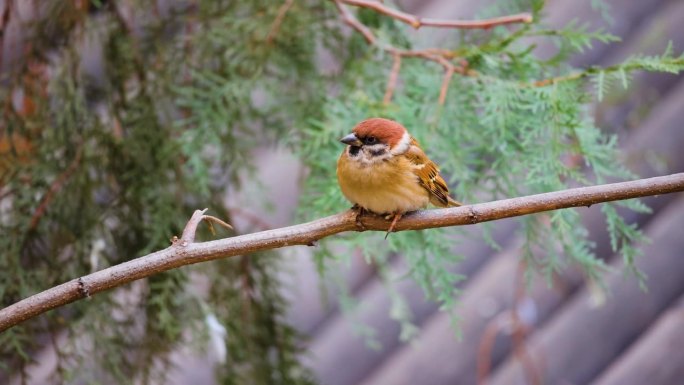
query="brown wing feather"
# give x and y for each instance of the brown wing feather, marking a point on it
(428, 175)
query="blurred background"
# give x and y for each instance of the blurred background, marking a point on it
(570, 332)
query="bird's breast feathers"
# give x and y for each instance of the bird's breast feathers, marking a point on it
(385, 187)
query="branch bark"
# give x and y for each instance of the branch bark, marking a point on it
(278, 20)
(187, 252)
(417, 22)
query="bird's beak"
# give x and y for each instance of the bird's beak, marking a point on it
(351, 140)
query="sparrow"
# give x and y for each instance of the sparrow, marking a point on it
(384, 170)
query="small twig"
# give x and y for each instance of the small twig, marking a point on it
(392, 80)
(353, 22)
(417, 22)
(429, 53)
(4, 22)
(212, 219)
(437, 55)
(53, 328)
(245, 271)
(56, 185)
(127, 25)
(519, 334)
(247, 284)
(484, 353)
(448, 74)
(509, 319)
(305, 233)
(5, 16)
(558, 79)
(247, 288)
(190, 229)
(278, 20)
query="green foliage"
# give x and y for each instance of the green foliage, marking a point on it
(117, 160)
(574, 38)
(603, 78)
(99, 166)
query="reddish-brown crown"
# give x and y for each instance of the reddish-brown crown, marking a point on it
(385, 130)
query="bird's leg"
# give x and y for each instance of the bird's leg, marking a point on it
(397, 216)
(359, 212)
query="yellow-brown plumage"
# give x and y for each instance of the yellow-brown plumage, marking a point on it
(385, 171)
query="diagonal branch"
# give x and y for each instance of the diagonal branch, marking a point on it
(353, 22)
(278, 21)
(187, 253)
(392, 80)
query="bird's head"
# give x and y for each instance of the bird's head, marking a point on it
(377, 138)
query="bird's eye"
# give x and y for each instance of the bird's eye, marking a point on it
(371, 140)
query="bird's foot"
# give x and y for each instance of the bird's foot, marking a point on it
(397, 216)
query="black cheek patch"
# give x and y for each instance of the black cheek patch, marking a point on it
(378, 152)
(354, 150)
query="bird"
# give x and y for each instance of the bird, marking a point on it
(384, 170)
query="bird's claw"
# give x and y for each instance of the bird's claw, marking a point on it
(397, 216)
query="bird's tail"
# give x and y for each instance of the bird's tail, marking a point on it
(453, 203)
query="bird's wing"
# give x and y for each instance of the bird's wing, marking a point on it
(428, 176)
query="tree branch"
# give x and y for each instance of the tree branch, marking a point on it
(190, 229)
(417, 22)
(278, 20)
(353, 22)
(187, 253)
(392, 80)
(437, 55)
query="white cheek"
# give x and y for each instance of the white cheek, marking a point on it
(403, 145)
